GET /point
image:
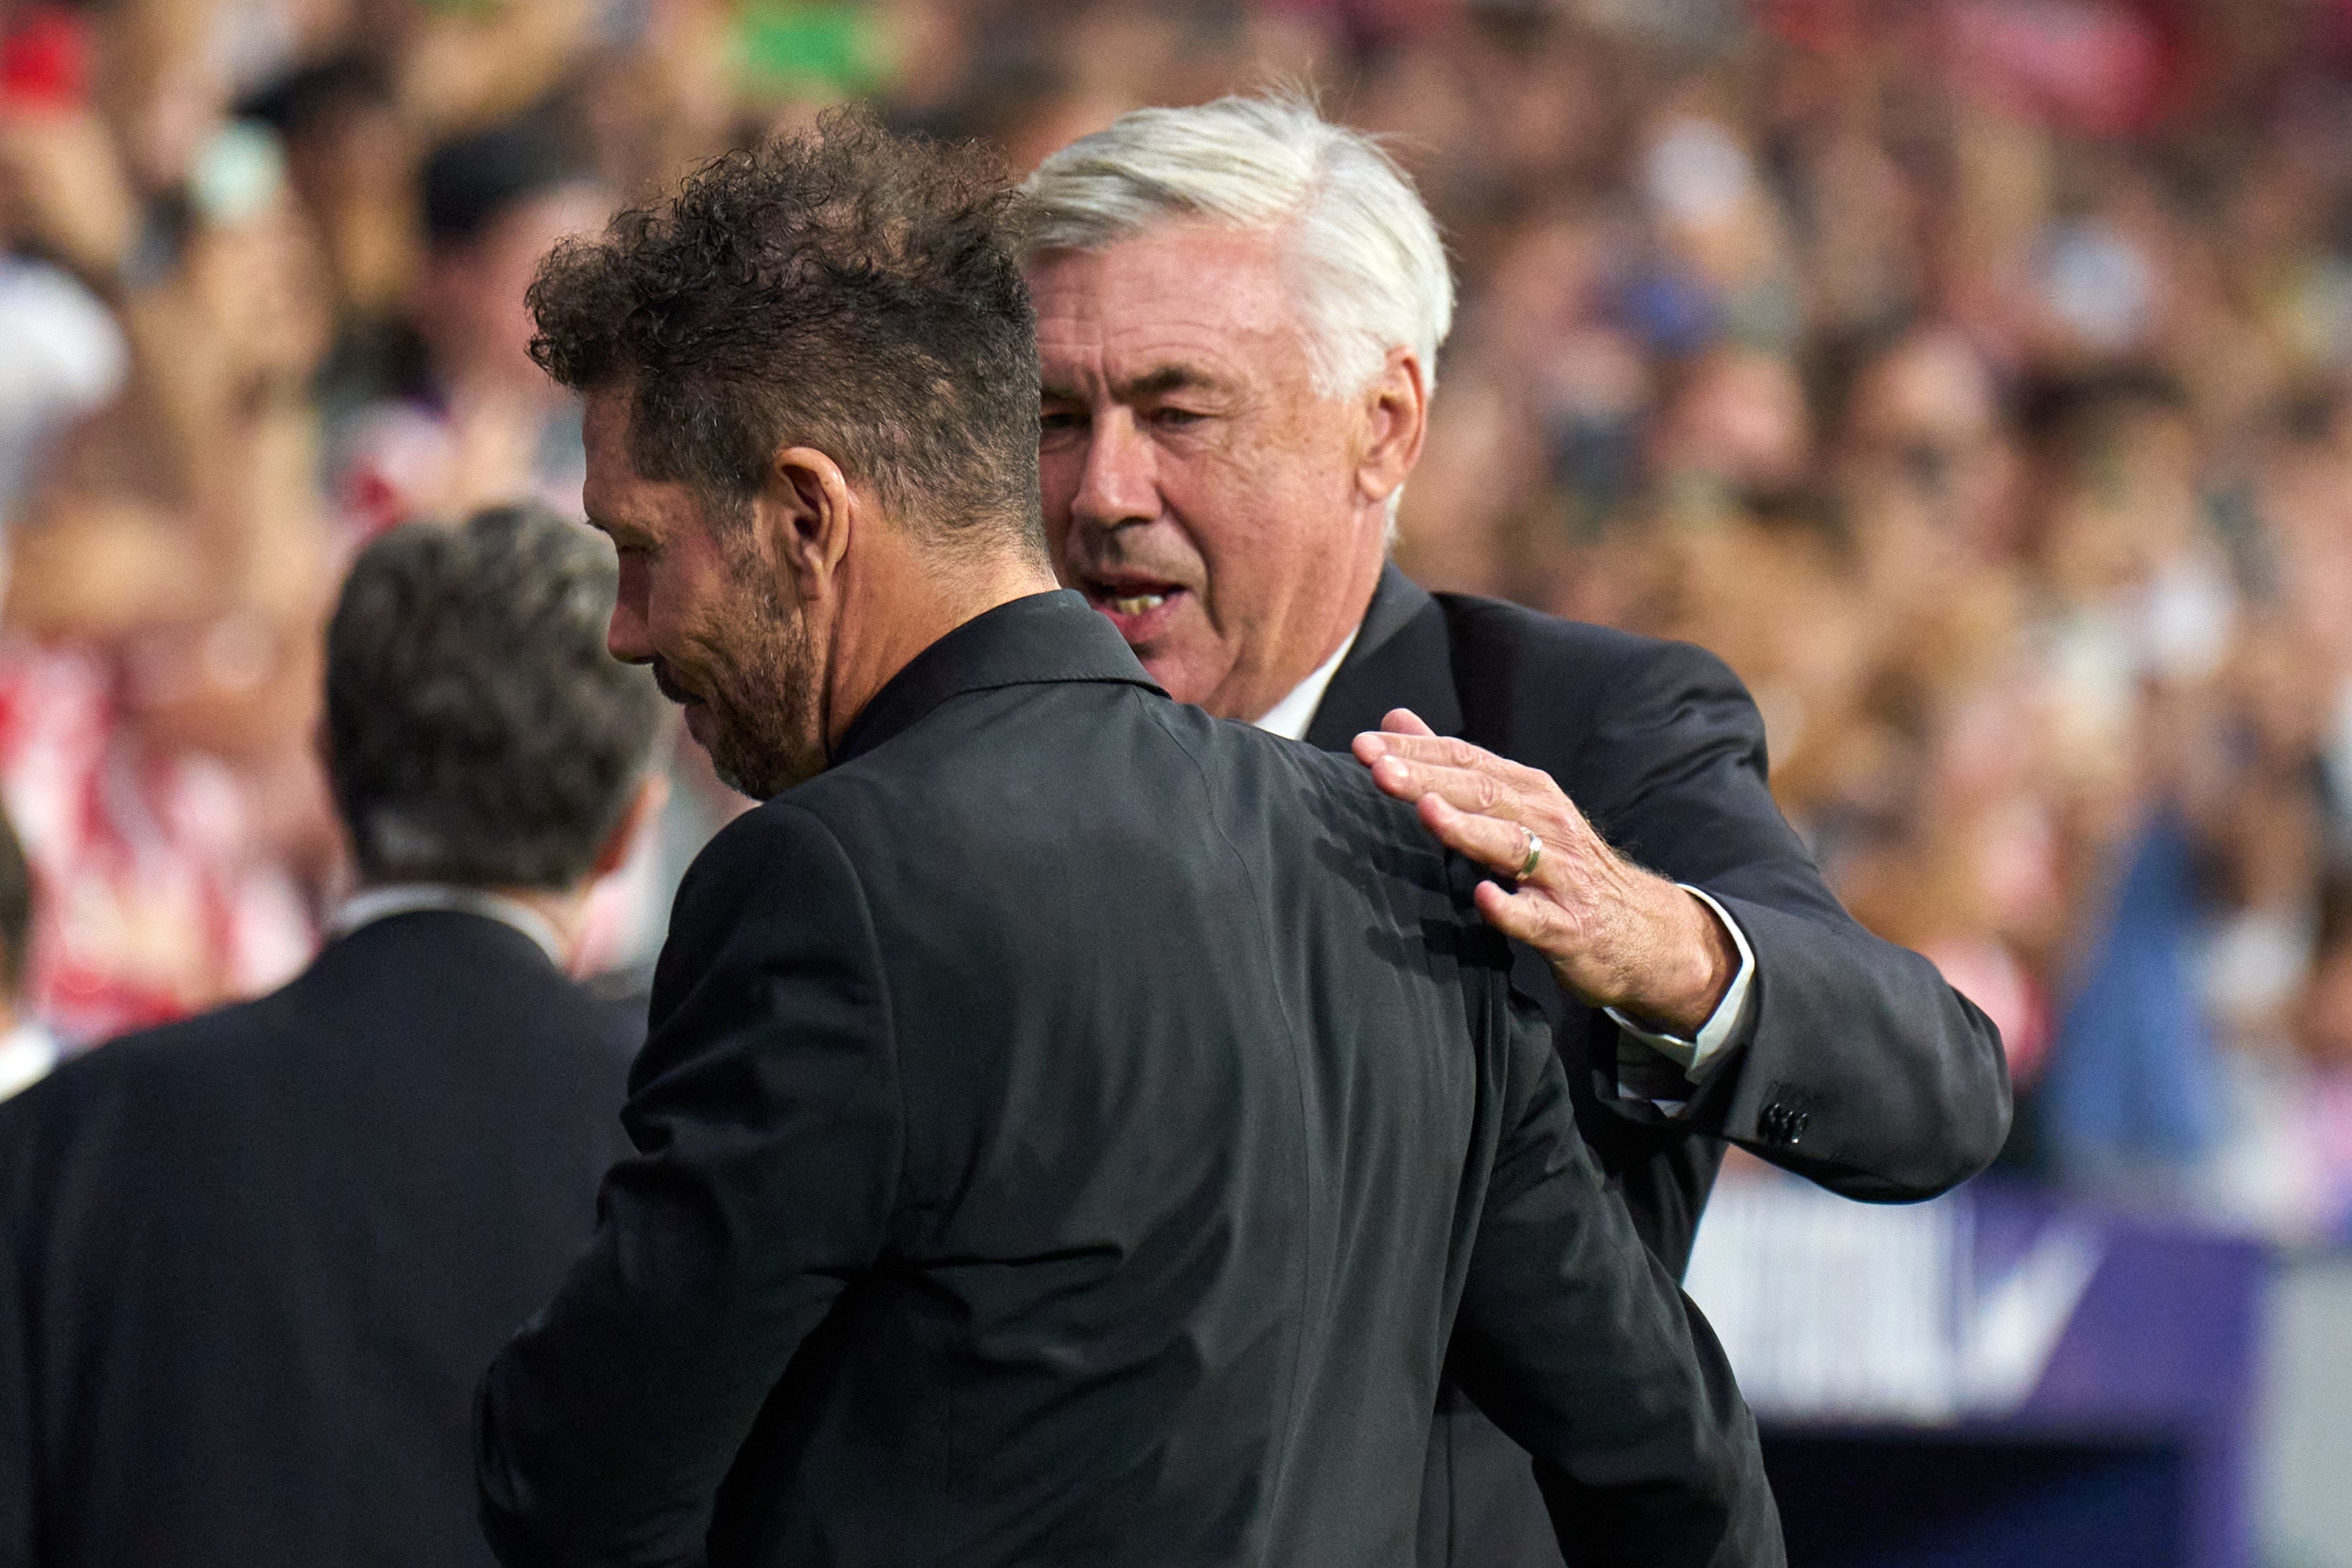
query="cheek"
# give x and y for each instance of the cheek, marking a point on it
(1060, 471)
(685, 611)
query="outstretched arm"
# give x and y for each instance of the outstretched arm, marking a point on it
(1844, 1058)
(766, 1113)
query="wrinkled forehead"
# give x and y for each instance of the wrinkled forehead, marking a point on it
(1183, 292)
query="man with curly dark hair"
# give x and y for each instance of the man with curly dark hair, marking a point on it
(1072, 1128)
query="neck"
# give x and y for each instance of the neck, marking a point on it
(565, 910)
(926, 600)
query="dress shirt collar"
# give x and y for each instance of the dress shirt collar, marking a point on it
(1290, 716)
(372, 904)
(1403, 657)
(1040, 637)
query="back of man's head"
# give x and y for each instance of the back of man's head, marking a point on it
(846, 290)
(478, 734)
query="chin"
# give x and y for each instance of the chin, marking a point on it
(762, 773)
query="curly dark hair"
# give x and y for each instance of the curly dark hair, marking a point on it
(847, 288)
(477, 733)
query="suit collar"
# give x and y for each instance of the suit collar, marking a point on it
(1043, 637)
(453, 936)
(1402, 658)
(372, 904)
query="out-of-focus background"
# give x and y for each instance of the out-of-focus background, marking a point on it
(1974, 375)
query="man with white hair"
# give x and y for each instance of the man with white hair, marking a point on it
(1240, 308)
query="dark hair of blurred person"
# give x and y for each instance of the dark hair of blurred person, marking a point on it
(842, 311)
(494, 200)
(448, 765)
(469, 418)
(26, 1052)
(292, 1232)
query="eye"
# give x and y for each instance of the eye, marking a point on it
(1175, 418)
(1054, 420)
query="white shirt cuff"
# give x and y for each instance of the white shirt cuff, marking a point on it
(1695, 1055)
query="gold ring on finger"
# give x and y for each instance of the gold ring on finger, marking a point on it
(1534, 855)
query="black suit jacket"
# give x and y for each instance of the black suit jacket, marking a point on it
(252, 1265)
(1071, 1127)
(1857, 1066)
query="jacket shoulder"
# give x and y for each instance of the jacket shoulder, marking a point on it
(119, 1094)
(1544, 690)
(1530, 646)
(168, 1053)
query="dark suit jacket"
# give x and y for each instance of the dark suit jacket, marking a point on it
(1856, 1065)
(252, 1265)
(1070, 1128)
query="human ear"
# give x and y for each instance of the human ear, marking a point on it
(807, 513)
(1394, 416)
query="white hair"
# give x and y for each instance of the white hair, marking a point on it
(1366, 267)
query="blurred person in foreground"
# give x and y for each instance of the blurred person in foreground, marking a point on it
(252, 1264)
(1072, 1127)
(1239, 311)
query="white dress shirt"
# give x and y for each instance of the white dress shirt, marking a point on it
(1696, 1055)
(1290, 716)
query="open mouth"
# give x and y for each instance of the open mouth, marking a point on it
(1139, 609)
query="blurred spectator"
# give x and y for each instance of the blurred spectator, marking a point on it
(303, 1225)
(474, 419)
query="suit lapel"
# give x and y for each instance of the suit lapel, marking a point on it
(1402, 658)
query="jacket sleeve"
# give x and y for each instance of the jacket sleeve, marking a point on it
(766, 1115)
(1577, 1344)
(1856, 1065)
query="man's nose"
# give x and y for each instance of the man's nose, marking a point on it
(624, 636)
(1121, 482)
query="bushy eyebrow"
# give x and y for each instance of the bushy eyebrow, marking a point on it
(1156, 382)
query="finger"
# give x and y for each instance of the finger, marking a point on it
(1482, 794)
(1469, 792)
(1372, 743)
(1449, 751)
(1498, 844)
(1521, 916)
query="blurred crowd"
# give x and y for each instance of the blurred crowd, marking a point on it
(1974, 375)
